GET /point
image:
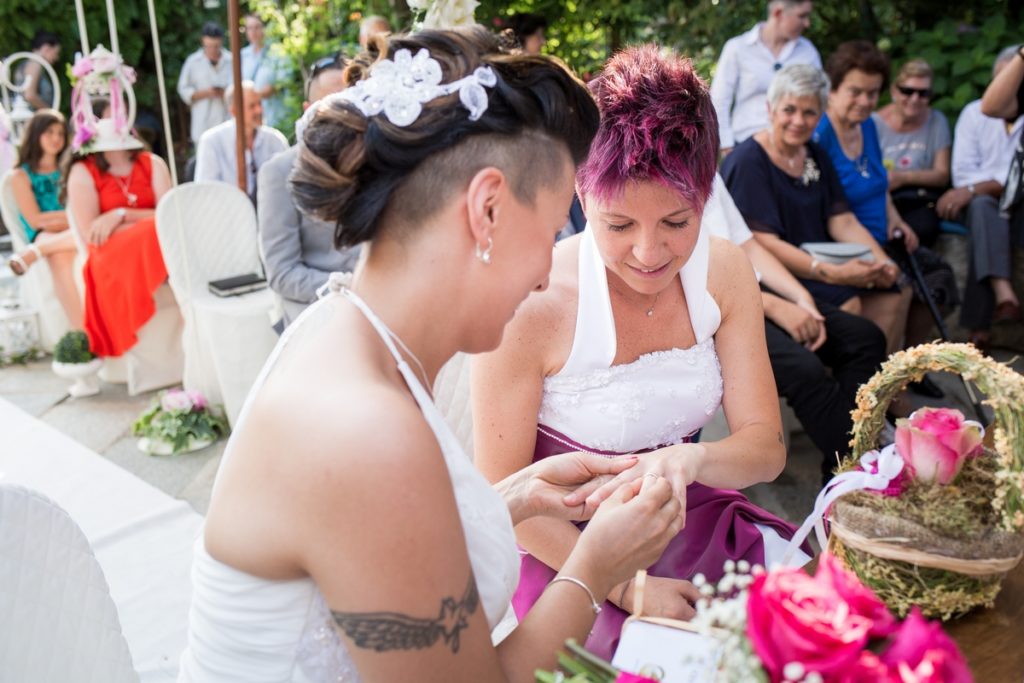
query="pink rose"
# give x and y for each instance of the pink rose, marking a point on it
(199, 401)
(175, 400)
(82, 67)
(83, 135)
(832, 575)
(793, 617)
(935, 442)
(867, 669)
(921, 652)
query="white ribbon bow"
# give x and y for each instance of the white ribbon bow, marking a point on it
(889, 463)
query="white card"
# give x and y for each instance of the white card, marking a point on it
(667, 654)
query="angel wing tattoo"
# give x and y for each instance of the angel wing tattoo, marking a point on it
(386, 631)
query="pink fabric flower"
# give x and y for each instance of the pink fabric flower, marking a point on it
(175, 400)
(896, 485)
(921, 652)
(199, 401)
(935, 442)
(832, 575)
(82, 135)
(793, 617)
(83, 67)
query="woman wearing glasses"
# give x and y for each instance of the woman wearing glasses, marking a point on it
(916, 142)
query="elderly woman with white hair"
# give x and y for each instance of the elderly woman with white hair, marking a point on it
(789, 193)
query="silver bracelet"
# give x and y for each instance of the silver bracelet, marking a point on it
(590, 594)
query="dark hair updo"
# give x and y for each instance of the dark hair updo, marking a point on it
(360, 172)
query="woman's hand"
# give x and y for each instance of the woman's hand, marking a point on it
(669, 598)
(909, 237)
(857, 273)
(542, 488)
(802, 321)
(630, 529)
(677, 464)
(104, 226)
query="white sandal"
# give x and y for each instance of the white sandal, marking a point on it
(17, 262)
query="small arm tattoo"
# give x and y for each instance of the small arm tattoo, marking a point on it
(387, 631)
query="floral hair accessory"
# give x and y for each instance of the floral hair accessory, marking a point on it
(400, 88)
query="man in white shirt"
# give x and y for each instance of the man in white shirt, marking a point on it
(215, 154)
(204, 76)
(819, 354)
(748, 63)
(983, 148)
(261, 66)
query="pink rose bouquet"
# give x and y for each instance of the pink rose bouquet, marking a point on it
(935, 442)
(826, 628)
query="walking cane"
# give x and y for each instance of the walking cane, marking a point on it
(926, 294)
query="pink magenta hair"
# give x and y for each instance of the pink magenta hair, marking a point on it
(657, 123)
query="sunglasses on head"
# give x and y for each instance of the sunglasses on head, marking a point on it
(324, 63)
(923, 93)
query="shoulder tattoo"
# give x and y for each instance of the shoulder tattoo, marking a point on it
(387, 631)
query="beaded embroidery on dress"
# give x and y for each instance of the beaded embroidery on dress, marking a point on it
(262, 631)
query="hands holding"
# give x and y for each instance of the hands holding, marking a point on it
(104, 226)
(801, 320)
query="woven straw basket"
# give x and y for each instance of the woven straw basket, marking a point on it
(944, 549)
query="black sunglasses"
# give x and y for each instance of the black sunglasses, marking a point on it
(335, 61)
(923, 93)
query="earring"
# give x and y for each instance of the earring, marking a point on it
(485, 255)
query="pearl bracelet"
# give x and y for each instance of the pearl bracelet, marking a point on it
(590, 594)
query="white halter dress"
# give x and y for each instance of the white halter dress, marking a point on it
(246, 628)
(662, 398)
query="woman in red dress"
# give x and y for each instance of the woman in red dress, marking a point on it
(113, 187)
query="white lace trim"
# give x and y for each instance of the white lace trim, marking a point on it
(627, 401)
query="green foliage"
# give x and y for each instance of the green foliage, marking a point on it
(180, 428)
(73, 347)
(962, 56)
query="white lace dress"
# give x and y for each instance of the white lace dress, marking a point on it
(245, 628)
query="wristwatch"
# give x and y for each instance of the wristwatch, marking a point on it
(970, 188)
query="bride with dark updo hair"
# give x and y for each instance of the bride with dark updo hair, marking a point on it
(349, 537)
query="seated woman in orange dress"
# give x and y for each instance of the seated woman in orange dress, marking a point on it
(113, 186)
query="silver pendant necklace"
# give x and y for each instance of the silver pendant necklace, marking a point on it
(861, 163)
(650, 311)
(124, 183)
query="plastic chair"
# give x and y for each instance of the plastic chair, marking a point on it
(36, 286)
(451, 396)
(207, 232)
(59, 622)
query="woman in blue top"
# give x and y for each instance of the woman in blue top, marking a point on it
(36, 186)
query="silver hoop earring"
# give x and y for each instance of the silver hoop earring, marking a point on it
(485, 255)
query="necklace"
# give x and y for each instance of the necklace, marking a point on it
(791, 161)
(861, 163)
(124, 183)
(650, 311)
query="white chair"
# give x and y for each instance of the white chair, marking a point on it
(59, 623)
(451, 396)
(157, 359)
(36, 286)
(208, 232)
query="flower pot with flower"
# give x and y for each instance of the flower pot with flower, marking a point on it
(177, 422)
(72, 359)
(944, 523)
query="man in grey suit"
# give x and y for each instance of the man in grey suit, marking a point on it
(298, 251)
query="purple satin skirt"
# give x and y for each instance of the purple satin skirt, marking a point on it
(719, 527)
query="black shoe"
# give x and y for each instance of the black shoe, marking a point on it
(926, 387)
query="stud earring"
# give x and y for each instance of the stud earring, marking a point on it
(485, 255)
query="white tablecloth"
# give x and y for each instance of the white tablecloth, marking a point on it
(141, 536)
